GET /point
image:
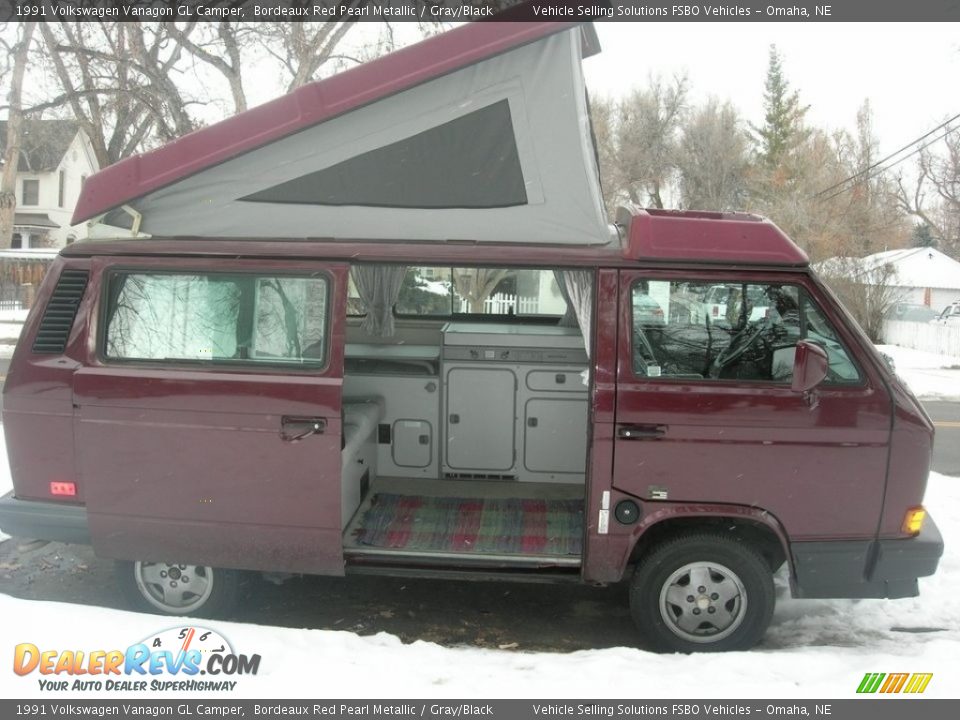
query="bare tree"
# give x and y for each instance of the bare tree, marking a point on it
(868, 293)
(938, 174)
(712, 158)
(477, 284)
(637, 141)
(98, 72)
(648, 123)
(218, 45)
(11, 160)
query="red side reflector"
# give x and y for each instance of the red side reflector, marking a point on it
(63, 488)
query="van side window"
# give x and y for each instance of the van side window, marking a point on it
(729, 331)
(216, 317)
(438, 291)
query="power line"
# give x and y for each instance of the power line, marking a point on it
(891, 155)
(887, 167)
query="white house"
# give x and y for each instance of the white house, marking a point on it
(925, 276)
(55, 158)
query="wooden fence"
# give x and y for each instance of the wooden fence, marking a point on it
(929, 336)
(20, 275)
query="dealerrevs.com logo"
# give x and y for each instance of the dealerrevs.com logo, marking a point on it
(170, 660)
(894, 682)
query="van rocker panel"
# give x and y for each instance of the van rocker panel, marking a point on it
(841, 569)
(57, 522)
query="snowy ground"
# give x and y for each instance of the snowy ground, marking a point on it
(11, 323)
(930, 376)
(814, 649)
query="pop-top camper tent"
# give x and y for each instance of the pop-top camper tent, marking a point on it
(481, 133)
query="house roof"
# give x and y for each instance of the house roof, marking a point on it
(480, 133)
(914, 268)
(43, 143)
(36, 220)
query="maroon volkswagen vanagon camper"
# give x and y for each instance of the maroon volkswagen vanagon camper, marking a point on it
(383, 325)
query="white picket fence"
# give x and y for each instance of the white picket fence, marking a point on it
(502, 304)
(929, 337)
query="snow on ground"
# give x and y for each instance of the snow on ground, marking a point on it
(814, 649)
(930, 376)
(11, 323)
(6, 484)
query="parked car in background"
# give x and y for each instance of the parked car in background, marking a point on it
(720, 298)
(950, 315)
(912, 312)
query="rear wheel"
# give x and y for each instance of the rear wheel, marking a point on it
(178, 588)
(701, 593)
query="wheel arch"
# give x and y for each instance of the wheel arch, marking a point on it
(757, 527)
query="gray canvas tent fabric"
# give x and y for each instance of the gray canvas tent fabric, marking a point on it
(497, 151)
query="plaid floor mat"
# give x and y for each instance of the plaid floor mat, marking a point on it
(473, 525)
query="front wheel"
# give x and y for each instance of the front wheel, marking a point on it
(178, 589)
(702, 592)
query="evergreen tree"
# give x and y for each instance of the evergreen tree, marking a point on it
(782, 130)
(923, 236)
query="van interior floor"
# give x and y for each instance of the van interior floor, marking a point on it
(491, 523)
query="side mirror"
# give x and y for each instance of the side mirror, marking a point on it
(809, 366)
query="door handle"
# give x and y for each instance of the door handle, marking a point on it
(293, 429)
(641, 432)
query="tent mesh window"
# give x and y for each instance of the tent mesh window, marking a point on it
(469, 162)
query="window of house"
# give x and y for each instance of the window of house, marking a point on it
(742, 331)
(217, 317)
(61, 187)
(31, 192)
(16, 242)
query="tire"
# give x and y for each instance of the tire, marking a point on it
(735, 604)
(172, 589)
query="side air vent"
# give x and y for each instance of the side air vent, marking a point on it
(60, 312)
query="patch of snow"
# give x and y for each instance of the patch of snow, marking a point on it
(436, 287)
(929, 376)
(18, 316)
(10, 331)
(814, 649)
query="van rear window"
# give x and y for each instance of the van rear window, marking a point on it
(216, 317)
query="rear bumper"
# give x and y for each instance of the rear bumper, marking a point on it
(44, 520)
(866, 569)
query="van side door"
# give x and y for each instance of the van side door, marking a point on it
(706, 413)
(208, 413)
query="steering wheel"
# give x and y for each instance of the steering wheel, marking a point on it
(739, 344)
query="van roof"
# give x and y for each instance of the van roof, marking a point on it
(479, 133)
(652, 236)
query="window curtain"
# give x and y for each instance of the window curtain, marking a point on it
(576, 286)
(569, 318)
(379, 288)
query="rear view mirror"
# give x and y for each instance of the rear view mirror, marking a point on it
(809, 366)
